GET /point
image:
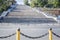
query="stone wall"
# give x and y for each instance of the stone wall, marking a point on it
(55, 12)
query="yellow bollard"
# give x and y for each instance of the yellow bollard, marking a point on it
(50, 34)
(18, 34)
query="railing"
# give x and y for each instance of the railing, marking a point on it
(5, 13)
(18, 33)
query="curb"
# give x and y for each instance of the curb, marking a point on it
(55, 18)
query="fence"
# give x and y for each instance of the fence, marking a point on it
(18, 33)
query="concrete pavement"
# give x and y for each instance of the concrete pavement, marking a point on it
(23, 11)
(35, 29)
(28, 29)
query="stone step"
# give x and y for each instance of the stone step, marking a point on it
(29, 20)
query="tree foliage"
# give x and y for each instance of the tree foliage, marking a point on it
(42, 3)
(54, 2)
(26, 2)
(38, 3)
(5, 4)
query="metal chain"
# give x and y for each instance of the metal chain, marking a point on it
(34, 37)
(56, 35)
(7, 36)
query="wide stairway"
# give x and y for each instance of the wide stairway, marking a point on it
(25, 14)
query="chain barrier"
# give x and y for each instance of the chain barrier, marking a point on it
(7, 36)
(34, 37)
(2, 37)
(55, 34)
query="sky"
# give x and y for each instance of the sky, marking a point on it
(20, 1)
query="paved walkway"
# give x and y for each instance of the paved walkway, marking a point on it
(7, 26)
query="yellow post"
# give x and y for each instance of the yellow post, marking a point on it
(18, 34)
(50, 34)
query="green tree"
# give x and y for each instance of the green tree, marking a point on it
(38, 3)
(58, 4)
(42, 3)
(0, 0)
(34, 3)
(26, 2)
(5, 4)
(1, 3)
(55, 3)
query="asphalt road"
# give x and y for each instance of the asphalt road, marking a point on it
(7, 26)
